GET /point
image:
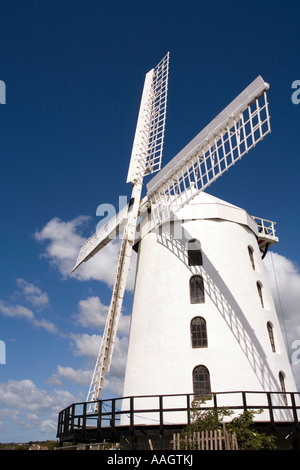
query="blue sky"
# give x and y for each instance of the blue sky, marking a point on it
(74, 73)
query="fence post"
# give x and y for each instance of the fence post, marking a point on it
(131, 413)
(161, 421)
(188, 405)
(132, 433)
(295, 414)
(99, 417)
(72, 417)
(84, 419)
(161, 414)
(270, 406)
(244, 401)
(113, 413)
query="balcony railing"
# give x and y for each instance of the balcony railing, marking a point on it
(114, 415)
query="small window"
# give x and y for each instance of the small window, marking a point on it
(271, 335)
(201, 382)
(197, 290)
(282, 385)
(194, 253)
(260, 293)
(199, 333)
(251, 256)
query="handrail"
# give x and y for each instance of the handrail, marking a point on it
(76, 418)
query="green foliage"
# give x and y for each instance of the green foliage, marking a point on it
(248, 438)
(206, 420)
(212, 419)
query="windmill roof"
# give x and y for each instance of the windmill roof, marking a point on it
(205, 198)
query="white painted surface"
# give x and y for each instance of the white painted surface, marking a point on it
(239, 355)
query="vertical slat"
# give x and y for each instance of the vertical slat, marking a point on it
(220, 439)
(174, 441)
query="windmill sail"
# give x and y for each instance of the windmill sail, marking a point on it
(104, 357)
(149, 136)
(214, 150)
(102, 237)
(146, 157)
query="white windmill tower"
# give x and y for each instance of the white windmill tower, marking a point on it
(203, 318)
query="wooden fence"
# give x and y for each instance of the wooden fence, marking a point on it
(206, 440)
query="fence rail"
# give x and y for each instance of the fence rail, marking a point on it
(115, 414)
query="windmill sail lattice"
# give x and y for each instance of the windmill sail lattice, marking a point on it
(149, 136)
(237, 129)
(145, 158)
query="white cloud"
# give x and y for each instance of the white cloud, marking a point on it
(33, 399)
(19, 311)
(79, 376)
(63, 241)
(88, 345)
(284, 279)
(92, 313)
(31, 408)
(32, 294)
(46, 324)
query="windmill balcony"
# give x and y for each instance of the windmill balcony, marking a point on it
(279, 415)
(266, 232)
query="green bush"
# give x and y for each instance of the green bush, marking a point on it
(210, 420)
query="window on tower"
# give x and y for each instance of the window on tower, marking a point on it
(282, 385)
(194, 253)
(197, 290)
(271, 335)
(251, 256)
(198, 333)
(260, 293)
(201, 382)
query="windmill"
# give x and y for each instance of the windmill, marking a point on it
(230, 136)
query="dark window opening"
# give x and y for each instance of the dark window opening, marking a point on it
(194, 253)
(282, 385)
(201, 382)
(199, 333)
(251, 256)
(271, 336)
(259, 290)
(197, 290)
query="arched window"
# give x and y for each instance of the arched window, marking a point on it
(194, 253)
(271, 335)
(201, 381)
(197, 290)
(251, 256)
(259, 290)
(282, 385)
(198, 333)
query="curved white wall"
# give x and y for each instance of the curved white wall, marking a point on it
(239, 354)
